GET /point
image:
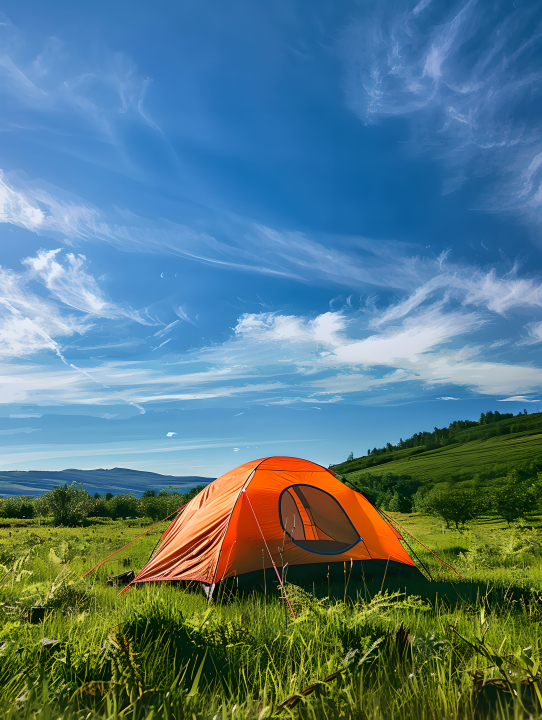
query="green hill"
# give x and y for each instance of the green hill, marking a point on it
(475, 456)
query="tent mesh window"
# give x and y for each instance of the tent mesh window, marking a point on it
(315, 521)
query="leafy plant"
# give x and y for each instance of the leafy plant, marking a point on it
(512, 499)
(68, 504)
(455, 505)
(21, 508)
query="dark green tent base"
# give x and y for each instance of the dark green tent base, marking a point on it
(324, 576)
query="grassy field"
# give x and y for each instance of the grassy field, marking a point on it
(456, 461)
(446, 463)
(380, 649)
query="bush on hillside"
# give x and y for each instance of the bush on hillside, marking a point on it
(369, 493)
(158, 507)
(456, 506)
(400, 503)
(513, 499)
(389, 491)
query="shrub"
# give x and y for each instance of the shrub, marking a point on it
(21, 508)
(123, 506)
(68, 504)
(152, 506)
(455, 505)
(400, 503)
(98, 507)
(513, 500)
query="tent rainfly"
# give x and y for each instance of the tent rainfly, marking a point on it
(276, 511)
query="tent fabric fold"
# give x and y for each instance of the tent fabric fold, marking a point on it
(299, 509)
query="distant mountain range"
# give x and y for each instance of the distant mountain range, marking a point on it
(116, 481)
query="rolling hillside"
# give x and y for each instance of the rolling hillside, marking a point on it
(116, 480)
(483, 451)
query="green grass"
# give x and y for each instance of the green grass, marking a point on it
(456, 461)
(161, 652)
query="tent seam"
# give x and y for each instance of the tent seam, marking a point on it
(249, 478)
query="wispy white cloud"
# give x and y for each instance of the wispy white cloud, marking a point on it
(70, 284)
(287, 359)
(12, 456)
(25, 415)
(275, 328)
(133, 383)
(162, 344)
(461, 74)
(416, 335)
(55, 81)
(448, 398)
(334, 362)
(180, 312)
(470, 286)
(353, 262)
(16, 431)
(166, 330)
(499, 343)
(468, 369)
(29, 323)
(271, 357)
(519, 398)
(288, 254)
(534, 330)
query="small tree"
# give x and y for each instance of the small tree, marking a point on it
(456, 506)
(400, 503)
(513, 500)
(98, 507)
(350, 457)
(123, 506)
(151, 506)
(68, 504)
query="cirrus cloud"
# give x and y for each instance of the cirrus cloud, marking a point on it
(462, 74)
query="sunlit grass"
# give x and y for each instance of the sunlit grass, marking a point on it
(159, 651)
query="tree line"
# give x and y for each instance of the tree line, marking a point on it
(509, 492)
(443, 436)
(72, 504)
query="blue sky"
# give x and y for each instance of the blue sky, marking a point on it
(231, 230)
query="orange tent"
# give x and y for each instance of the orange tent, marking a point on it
(272, 511)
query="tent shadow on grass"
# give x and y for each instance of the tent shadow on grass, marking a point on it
(363, 580)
